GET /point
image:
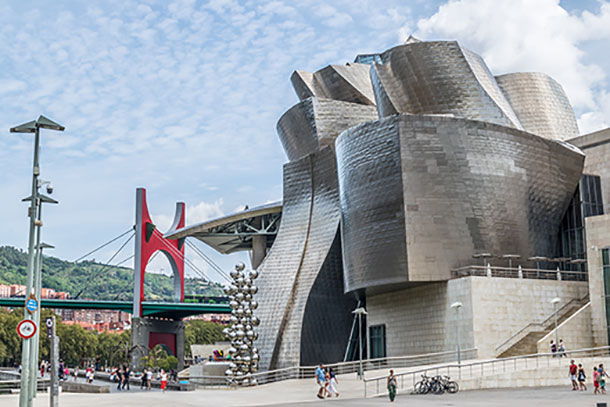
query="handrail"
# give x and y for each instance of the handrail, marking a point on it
(515, 272)
(301, 372)
(481, 364)
(542, 324)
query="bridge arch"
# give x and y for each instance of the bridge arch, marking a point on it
(150, 240)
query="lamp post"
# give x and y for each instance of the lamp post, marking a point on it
(555, 301)
(456, 306)
(25, 393)
(360, 311)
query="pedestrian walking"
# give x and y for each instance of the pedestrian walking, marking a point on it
(126, 374)
(143, 384)
(573, 370)
(119, 376)
(582, 378)
(553, 348)
(321, 380)
(332, 384)
(163, 380)
(42, 366)
(601, 378)
(76, 373)
(148, 379)
(392, 384)
(595, 382)
(562, 349)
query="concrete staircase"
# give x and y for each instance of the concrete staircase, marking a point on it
(525, 341)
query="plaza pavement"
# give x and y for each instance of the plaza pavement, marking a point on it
(528, 397)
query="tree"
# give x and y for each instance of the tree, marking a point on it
(76, 345)
(202, 332)
(10, 342)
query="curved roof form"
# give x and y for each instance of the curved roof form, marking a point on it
(234, 232)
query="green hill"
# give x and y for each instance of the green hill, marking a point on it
(96, 281)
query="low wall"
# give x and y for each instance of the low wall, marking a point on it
(575, 331)
(72, 387)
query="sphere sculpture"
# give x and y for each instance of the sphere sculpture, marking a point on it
(244, 356)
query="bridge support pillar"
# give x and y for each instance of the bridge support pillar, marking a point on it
(146, 333)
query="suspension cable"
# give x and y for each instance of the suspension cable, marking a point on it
(208, 260)
(186, 260)
(104, 267)
(104, 245)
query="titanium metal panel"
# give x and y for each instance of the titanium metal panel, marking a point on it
(315, 123)
(347, 83)
(301, 255)
(439, 77)
(541, 104)
(455, 187)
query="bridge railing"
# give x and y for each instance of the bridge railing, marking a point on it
(304, 372)
(374, 386)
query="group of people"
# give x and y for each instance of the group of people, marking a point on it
(579, 377)
(327, 382)
(120, 376)
(558, 349)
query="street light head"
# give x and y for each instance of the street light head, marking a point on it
(360, 311)
(45, 123)
(456, 305)
(556, 300)
(29, 127)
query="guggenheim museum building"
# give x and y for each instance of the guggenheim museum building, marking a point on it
(416, 180)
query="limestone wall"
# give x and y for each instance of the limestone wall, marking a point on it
(598, 237)
(419, 319)
(575, 332)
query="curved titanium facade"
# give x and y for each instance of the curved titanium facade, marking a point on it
(541, 104)
(301, 287)
(315, 123)
(347, 83)
(439, 77)
(421, 194)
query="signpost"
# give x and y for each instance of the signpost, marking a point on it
(54, 390)
(26, 328)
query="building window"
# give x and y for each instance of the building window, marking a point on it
(377, 339)
(587, 201)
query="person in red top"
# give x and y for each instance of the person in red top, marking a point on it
(573, 372)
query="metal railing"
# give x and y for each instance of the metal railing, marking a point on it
(516, 272)
(305, 372)
(544, 325)
(375, 386)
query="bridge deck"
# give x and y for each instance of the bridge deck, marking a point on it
(173, 310)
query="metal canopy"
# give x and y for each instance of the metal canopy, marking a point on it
(233, 233)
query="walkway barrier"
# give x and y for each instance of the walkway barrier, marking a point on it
(306, 372)
(376, 386)
(516, 272)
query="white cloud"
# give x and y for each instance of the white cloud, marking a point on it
(204, 211)
(522, 35)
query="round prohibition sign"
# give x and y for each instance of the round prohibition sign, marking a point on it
(26, 329)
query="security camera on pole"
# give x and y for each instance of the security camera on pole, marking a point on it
(244, 356)
(26, 393)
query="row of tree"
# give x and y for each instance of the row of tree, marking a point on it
(78, 346)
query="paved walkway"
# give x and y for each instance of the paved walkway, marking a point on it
(544, 397)
(285, 397)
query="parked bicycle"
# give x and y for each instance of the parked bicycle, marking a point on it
(436, 385)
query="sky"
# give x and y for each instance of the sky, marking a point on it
(182, 96)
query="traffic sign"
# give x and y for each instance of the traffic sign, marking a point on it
(31, 304)
(26, 328)
(49, 327)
